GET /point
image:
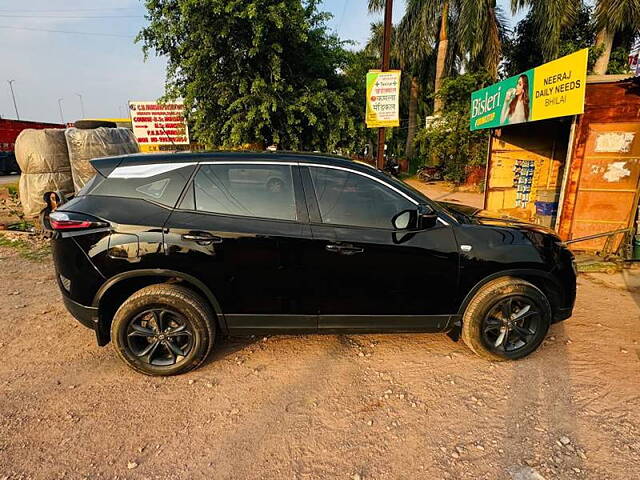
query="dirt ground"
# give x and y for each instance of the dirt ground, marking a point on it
(318, 407)
(446, 192)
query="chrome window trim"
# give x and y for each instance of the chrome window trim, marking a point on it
(335, 167)
(150, 170)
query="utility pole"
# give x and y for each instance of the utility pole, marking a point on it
(14, 97)
(386, 46)
(60, 108)
(81, 104)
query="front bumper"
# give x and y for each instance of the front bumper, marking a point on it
(87, 316)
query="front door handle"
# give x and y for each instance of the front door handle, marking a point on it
(201, 238)
(343, 249)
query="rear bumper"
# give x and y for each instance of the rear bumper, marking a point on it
(87, 316)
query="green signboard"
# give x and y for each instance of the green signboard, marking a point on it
(555, 89)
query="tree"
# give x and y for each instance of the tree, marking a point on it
(524, 50)
(475, 27)
(256, 71)
(460, 31)
(448, 139)
(612, 17)
(549, 18)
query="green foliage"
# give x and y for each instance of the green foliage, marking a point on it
(29, 250)
(619, 60)
(12, 188)
(448, 140)
(524, 50)
(256, 71)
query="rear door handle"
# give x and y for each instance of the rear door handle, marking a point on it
(201, 238)
(343, 249)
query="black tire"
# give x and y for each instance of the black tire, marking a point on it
(91, 124)
(488, 328)
(187, 325)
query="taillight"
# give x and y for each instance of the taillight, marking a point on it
(73, 221)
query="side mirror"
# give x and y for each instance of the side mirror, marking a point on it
(427, 218)
(405, 220)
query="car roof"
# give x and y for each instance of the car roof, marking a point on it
(104, 165)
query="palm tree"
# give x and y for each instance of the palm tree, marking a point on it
(468, 31)
(613, 16)
(550, 17)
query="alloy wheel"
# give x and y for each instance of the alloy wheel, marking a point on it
(160, 337)
(511, 324)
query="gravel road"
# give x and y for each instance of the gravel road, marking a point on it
(318, 407)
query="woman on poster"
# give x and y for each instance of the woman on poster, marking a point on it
(516, 105)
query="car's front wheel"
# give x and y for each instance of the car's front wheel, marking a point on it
(163, 329)
(507, 319)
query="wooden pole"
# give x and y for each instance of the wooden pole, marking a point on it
(386, 46)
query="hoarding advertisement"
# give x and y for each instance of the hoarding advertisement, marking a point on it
(383, 94)
(158, 124)
(555, 89)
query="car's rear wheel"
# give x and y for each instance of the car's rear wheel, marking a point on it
(163, 330)
(507, 319)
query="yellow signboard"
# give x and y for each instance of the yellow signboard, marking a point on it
(383, 93)
(559, 87)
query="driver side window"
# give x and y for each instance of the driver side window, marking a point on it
(346, 198)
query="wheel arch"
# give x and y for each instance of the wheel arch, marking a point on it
(542, 280)
(119, 287)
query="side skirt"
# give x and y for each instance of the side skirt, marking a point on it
(259, 324)
(384, 323)
(256, 324)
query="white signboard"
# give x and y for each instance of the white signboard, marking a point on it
(158, 123)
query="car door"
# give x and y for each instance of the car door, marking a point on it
(243, 234)
(374, 277)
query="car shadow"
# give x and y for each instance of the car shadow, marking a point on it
(226, 346)
(540, 412)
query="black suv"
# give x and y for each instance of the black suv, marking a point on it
(161, 253)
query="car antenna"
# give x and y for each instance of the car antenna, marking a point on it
(170, 139)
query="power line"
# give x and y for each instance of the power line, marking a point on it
(69, 32)
(66, 9)
(71, 16)
(344, 9)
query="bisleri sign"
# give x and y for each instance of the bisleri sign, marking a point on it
(555, 89)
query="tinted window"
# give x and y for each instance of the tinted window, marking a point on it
(264, 191)
(164, 188)
(347, 198)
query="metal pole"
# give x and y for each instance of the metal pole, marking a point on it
(60, 107)
(14, 98)
(81, 104)
(386, 46)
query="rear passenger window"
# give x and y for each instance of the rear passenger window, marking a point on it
(264, 191)
(164, 188)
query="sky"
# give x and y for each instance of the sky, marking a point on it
(102, 64)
